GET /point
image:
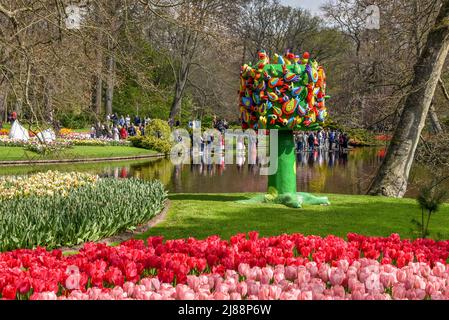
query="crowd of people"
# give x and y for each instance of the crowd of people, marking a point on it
(220, 124)
(117, 128)
(322, 140)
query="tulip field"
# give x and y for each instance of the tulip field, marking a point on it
(287, 267)
(55, 209)
(317, 253)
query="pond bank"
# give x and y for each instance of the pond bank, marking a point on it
(12, 156)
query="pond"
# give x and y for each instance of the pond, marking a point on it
(317, 172)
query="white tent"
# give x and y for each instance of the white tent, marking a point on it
(47, 135)
(18, 132)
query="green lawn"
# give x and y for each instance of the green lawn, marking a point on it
(202, 215)
(77, 152)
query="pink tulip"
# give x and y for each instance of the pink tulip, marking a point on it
(275, 292)
(439, 269)
(398, 291)
(193, 282)
(128, 287)
(264, 292)
(253, 288)
(336, 276)
(156, 296)
(291, 273)
(242, 288)
(401, 276)
(312, 268)
(243, 269)
(278, 277)
(235, 296)
(387, 279)
(221, 296)
(372, 283)
(306, 295)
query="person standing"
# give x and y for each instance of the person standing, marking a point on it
(123, 133)
(341, 141)
(331, 139)
(337, 140)
(92, 132)
(131, 131)
(128, 120)
(304, 141)
(121, 121)
(311, 141)
(299, 141)
(116, 133)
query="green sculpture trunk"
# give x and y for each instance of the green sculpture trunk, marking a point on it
(283, 182)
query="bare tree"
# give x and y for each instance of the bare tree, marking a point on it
(392, 177)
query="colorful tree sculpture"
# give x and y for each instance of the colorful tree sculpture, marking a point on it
(287, 95)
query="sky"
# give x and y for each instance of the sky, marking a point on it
(312, 5)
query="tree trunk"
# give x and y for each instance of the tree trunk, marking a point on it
(49, 110)
(188, 49)
(436, 125)
(110, 84)
(284, 180)
(98, 94)
(392, 176)
(181, 82)
(3, 104)
(177, 100)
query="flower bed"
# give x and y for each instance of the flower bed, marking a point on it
(43, 183)
(98, 142)
(67, 141)
(74, 209)
(48, 147)
(65, 132)
(283, 267)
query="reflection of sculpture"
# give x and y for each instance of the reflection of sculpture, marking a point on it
(288, 95)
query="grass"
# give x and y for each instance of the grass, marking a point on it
(77, 152)
(202, 215)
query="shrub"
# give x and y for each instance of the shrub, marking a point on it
(361, 137)
(88, 213)
(151, 143)
(158, 128)
(157, 137)
(75, 120)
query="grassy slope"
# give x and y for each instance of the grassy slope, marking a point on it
(77, 152)
(201, 215)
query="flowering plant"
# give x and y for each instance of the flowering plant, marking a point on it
(47, 147)
(4, 132)
(44, 183)
(70, 210)
(65, 132)
(281, 267)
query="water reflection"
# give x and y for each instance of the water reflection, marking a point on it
(318, 172)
